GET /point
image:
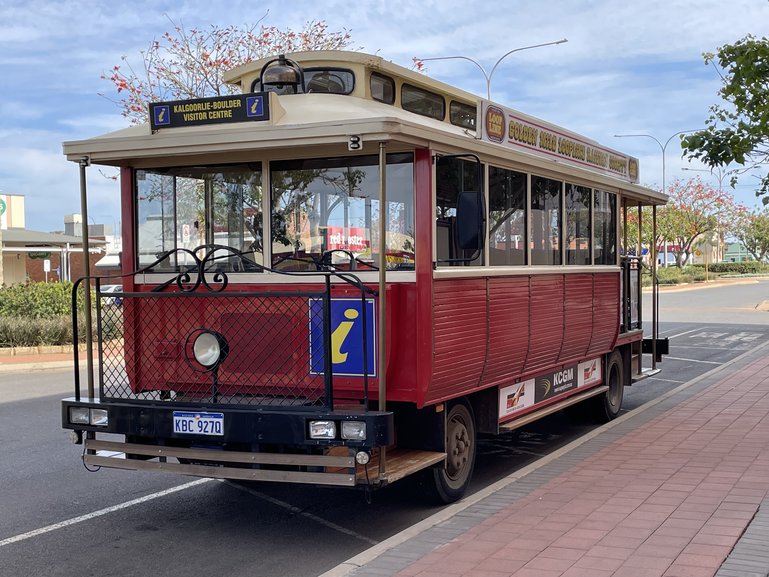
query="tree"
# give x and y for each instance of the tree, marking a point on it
(738, 132)
(187, 64)
(695, 209)
(753, 231)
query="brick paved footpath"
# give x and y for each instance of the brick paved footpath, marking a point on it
(668, 490)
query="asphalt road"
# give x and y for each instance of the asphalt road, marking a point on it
(59, 519)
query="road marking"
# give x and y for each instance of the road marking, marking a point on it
(100, 512)
(693, 361)
(298, 511)
(682, 334)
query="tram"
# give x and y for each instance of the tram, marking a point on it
(345, 273)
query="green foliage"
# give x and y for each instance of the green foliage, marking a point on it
(745, 267)
(35, 314)
(673, 275)
(27, 332)
(36, 300)
(753, 231)
(739, 131)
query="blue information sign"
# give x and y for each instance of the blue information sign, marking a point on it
(346, 337)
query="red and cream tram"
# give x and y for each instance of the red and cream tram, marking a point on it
(346, 273)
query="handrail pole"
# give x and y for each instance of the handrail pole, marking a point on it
(382, 288)
(84, 162)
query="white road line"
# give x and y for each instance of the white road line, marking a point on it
(693, 361)
(685, 333)
(298, 511)
(100, 512)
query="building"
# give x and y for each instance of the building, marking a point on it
(28, 255)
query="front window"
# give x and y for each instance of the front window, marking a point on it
(329, 208)
(317, 80)
(185, 208)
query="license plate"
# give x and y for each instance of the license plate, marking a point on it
(189, 423)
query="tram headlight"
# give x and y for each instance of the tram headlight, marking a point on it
(79, 416)
(99, 417)
(209, 348)
(354, 430)
(88, 416)
(322, 430)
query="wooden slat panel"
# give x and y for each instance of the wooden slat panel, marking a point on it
(578, 316)
(460, 336)
(547, 319)
(400, 463)
(508, 328)
(606, 309)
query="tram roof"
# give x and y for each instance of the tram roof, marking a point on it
(321, 124)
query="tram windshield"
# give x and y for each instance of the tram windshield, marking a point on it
(324, 208)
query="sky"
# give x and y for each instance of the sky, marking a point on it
(627, 68)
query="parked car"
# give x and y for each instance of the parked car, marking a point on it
(109, 289)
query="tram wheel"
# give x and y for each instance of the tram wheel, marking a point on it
(451, 480)
(608, 405)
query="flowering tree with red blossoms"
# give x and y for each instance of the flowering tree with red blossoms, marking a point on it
(187, 64)
(694, 210)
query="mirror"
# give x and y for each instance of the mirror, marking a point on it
(470, 221)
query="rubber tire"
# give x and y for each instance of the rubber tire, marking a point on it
(451, 481)
(608, 405)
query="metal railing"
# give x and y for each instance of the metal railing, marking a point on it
(631, 293)
(276, 345)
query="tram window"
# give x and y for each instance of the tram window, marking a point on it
(545, 221)
(318, 80)
(424, 102)
(382, 88)
(452, 176)
(507, 217)
(186, 207)
(331, 204)
(605, 228)
(578, 235)
(461, 114)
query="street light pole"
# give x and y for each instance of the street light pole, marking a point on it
(489, 75)
(663, 147)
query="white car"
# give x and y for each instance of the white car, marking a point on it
(107, 289)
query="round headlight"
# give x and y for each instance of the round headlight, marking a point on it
(207, 349)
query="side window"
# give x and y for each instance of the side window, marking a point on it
(578, 235)
(461, 114)
(605, 229)
(545, 221)
(452, 176)
(382, 88)
(507, 217)
(423, 102)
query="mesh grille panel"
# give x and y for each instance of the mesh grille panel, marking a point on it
(146, 345)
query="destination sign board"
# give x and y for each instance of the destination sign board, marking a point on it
(513, 129)
(215, 110)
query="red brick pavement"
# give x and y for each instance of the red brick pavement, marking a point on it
(669, 499)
